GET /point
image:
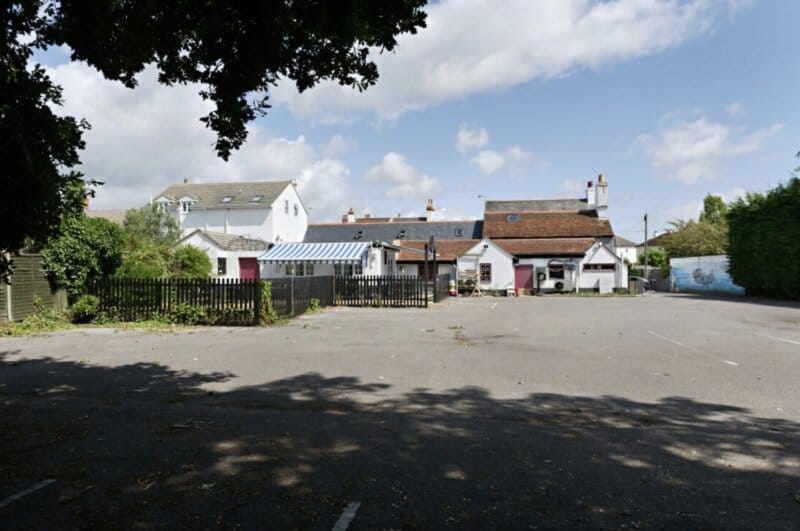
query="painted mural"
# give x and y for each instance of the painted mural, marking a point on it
(702, 274)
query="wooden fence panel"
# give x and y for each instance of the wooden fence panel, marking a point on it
(387, 291)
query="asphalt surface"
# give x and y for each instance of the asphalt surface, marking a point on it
(658, 411)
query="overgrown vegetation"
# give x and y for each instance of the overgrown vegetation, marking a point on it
(765, 241)
(268, 313)
(41, 320)
(706, 236)
(190, 262)
(84, 249)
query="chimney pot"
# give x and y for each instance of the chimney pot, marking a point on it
(185, 180)
(351, 215)
(429, 209)
(589, 184)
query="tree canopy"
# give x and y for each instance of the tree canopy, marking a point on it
(149, 225)
(695, 238)
(235, 50)
(714, 211)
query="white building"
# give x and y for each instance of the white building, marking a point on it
(232, 257)
(325, 259)
(271, 211)
(626, 250)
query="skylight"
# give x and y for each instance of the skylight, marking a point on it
(227, 199)
(359, 234)
(401, 235)
(512, 218)
(256, 198)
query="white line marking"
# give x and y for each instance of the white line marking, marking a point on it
(665, 338)
(347, 516)
(732, 363)
(776, 338)
(25, 492)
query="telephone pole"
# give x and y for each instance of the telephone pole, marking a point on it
(645, 248)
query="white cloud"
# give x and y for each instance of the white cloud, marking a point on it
(142, 140)
(405, 180)
(485, 45)
(690, 151)
(692, 209)
(735, 109)
(337, 146)
(489, 161)
(469, 138)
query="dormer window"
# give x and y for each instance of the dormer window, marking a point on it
(256, 198)
(185, 206)
(227, 199)
(401, 235)
(359, 235)
(512, 218)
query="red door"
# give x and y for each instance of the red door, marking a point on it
(523, 277)
(248, 269)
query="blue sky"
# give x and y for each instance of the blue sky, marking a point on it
(669, 99)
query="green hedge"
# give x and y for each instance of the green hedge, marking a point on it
(764, 242)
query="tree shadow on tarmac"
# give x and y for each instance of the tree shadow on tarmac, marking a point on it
(144, 446)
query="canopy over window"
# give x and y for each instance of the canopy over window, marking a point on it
(320, 253)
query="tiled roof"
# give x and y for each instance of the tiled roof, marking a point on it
(537, 205)
(446, 250)
(241, 194)
(619, 241)
(391, 231)
(545, 225)
(233, 242)
(117, 216)
(545, 246)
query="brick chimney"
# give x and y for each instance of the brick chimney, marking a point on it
(429, 210)
(591, 198)
(602, 197)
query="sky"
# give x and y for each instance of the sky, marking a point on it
(669, 99)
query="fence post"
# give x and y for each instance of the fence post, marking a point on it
(291, 295)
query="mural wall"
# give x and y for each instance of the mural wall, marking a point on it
(702, 274)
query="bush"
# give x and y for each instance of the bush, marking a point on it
(86, 309)
(190, 262)
(268, 313)
(144, 262)
(188, 314)
(764, 235)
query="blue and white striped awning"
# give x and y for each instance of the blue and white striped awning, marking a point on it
(320, 253)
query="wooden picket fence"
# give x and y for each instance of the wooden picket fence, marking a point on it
(293, 295)
(386, 290)
(222, 301)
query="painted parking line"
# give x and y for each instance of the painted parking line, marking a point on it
(25, 492)
(687, 347)
(347, 516)
(776, 338)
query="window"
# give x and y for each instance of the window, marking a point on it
(227, 199)
(512, 218)
(290, 270)
(296, 210)
(309, 269)
(358, 269)
(599, 267)
(222, 266)
(486, 272)
(300, 269)
(556, 272)
(286, 206)
(255, 199)
(185, 206)
(459, 233)
(385, 257)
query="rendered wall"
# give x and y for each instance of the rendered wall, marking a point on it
(702, 274)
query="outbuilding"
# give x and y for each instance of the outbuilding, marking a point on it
(232, 256)
(325, 259)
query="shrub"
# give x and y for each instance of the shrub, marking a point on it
(314, 305)
(187, 314)
(764, 250)
(144, 262)
(268, 314)
(86, 309)
(190, 262)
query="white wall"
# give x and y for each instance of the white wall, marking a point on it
(214, 252)
(288, 227)
(600, 254)
(374, 265)
(249, 222)
(627, 252)
(486, 251)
